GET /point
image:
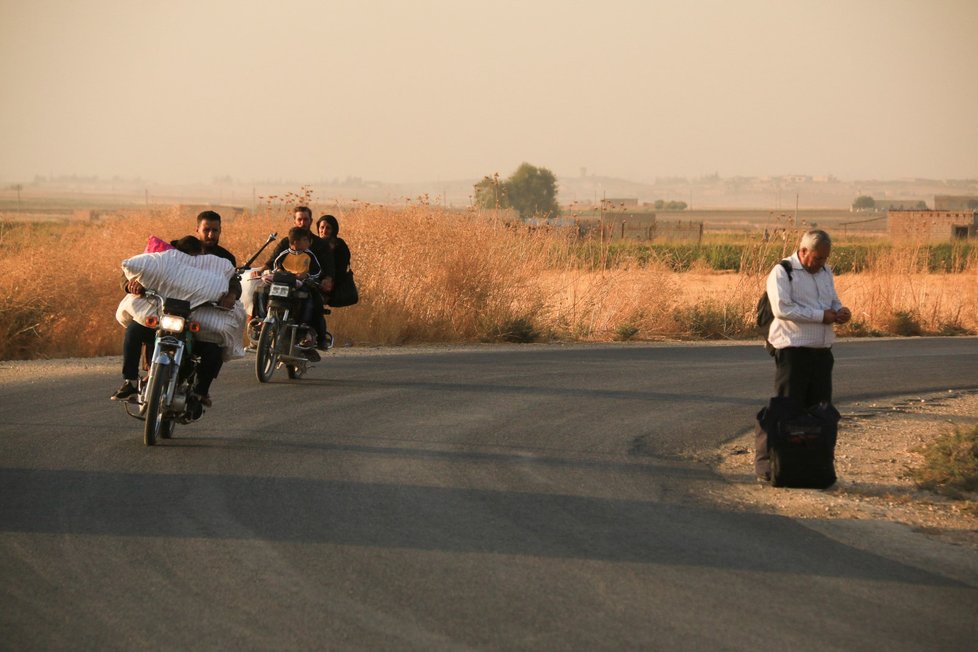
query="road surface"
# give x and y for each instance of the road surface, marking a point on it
(506, 498)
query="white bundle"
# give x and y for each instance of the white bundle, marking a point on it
(250, 283)
(195, 279)
(175, 275)
(222, 327)
(136, 308)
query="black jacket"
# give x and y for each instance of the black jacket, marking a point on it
(234, 285)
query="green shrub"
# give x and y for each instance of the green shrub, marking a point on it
(625, 332)
(905, 324)
(950, 464)
(846, 258)
(953, 328)
(712, 321)
(520, 330)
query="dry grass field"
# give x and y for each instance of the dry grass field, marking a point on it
(431, 275)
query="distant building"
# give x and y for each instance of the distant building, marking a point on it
(619, 201)
(900, 205)
(955, 202)
(931, 226)
(797, 178)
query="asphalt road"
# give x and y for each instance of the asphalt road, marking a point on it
(502, 498)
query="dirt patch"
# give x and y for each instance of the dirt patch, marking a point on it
(877, 445)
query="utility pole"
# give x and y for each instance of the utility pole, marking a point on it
(796, 209)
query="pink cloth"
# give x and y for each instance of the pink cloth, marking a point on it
(154, 245)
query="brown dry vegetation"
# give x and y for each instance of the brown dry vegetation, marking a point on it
(431, 275)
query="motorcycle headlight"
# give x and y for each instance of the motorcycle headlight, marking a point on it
(172, 323)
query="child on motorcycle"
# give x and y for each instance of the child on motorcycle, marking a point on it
(301, 262)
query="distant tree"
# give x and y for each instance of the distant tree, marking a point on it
(663, 205)
(921, 205)
(532, 191)
(973, 203)
(863, 202)
(491, 193)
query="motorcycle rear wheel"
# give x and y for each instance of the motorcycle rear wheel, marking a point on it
(159, 378)
(266, 354)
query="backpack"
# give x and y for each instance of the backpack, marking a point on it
(765, 315)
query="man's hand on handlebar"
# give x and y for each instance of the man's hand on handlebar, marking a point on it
(135, 287)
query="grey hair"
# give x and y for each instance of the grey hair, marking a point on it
(815, 239)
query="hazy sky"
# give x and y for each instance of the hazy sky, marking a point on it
(420, 90)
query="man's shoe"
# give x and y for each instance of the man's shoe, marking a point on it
(124, 393)
(205, 400)
(326, 343)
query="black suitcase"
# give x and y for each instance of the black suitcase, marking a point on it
(800, 443)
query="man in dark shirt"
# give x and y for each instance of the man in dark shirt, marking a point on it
(211, 356)
(302, 217)
(209, 233)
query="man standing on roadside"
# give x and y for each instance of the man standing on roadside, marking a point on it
(805, 307)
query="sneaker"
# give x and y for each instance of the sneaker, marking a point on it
(126, 392)
(254, 330)
(205, 400)
(326, 343)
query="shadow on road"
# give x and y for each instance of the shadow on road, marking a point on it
(431, 519)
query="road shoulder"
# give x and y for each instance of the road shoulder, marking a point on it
(878, 442)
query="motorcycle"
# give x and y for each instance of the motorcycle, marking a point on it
(281, 336)
(165, 397)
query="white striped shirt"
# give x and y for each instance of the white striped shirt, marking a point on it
(799, 305)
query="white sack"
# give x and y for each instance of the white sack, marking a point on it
(175, 275)
(249, 286)
(222, 327)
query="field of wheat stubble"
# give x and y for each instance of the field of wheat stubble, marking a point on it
(430, 275)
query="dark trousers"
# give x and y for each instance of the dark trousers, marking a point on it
(804, 374)
(136, 337)
(801, 373)
(210, 365)
(316, 318)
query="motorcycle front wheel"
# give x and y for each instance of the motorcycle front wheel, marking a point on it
(266, 354)
(159, 378)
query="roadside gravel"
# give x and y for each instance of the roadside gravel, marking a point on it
(878, 443)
